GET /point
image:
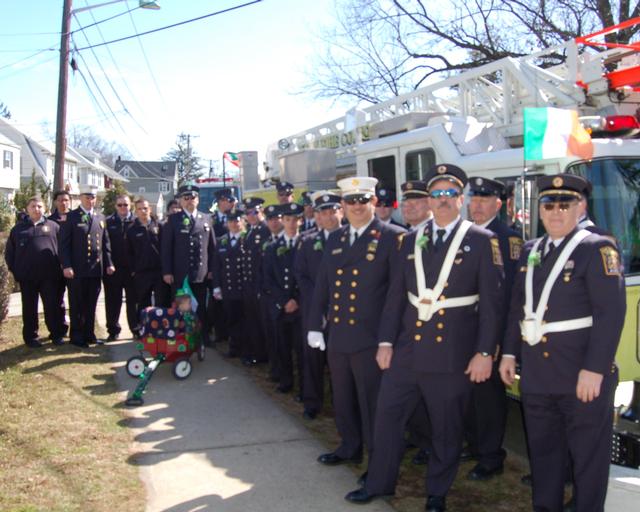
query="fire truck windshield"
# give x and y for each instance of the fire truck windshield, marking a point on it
(614, 204)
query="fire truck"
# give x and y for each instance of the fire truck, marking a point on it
(475, 120)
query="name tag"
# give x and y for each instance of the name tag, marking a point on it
(411, 257)
(336, 251)
(184, 231)
(139, 234)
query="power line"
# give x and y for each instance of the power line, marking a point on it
(28, 58)
(105, 20)
(224, 11)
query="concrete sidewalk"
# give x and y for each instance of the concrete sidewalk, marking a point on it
(216, 441)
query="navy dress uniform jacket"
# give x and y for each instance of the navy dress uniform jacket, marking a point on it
(447, 342)
(31, 252)
(279, 276)
(218, 223)
(85, 244)
(351, 286)
(510, 242)
(307, 265)
(591, 284)
(252, 251)
(229, 266)
(188, 248)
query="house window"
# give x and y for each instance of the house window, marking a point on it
(163, 187)
(141, 190)
(125, 172)
(7, 159)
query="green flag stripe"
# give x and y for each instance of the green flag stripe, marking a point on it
(535, 126)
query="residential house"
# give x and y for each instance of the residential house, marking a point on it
(148, 179)
(93, 172)
(10, 171)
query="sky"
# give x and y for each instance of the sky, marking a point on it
(228, 80)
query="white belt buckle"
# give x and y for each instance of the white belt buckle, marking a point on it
(425, 305)
(528, 331)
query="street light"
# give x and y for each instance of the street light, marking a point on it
(63, 80)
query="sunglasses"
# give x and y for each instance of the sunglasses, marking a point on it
(189, 197)
(562, 206)
(122, 204)
(357, 200)
(446, 193)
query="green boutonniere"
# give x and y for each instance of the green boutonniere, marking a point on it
(185, 221)
(534, 258)
(423, 242)
(243, 234)
(264, 246)
(224, 241)
(282, 250)
(85, 217)
(317, 246)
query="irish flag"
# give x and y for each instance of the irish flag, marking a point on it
(232, 158)
(554, 133)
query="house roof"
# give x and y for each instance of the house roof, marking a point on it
(163, 170)
(8, 142)
(88, 158)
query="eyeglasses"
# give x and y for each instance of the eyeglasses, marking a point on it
(188, 198)
(357, 200)
(563, 206)
(122, 204)
(446, 193)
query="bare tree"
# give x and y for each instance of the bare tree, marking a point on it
(83, 137)
(189, 167)
(381, 48)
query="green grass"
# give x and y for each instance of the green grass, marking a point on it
(64, 442)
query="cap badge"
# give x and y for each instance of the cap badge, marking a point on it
(293, 206)
(409, 186)
(325, 198)
(355, 182)
(478, 181)
(441, 169)
(382, 193)
(557, 182)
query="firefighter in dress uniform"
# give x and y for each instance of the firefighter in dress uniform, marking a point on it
(143, 250)
(187, 249)
(567, 312)
(274, 224)
(386, 205)
(31, 254)
(62, 203)
(349, 295)
(257, 236)
(281, 282)
(117, 225)
(229, 269)
(487, 414)
(285, 192)
(308, 224)
(329, 217)
(438, 337)
(85, 253)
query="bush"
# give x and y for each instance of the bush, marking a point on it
(6, 282)
(7, 216)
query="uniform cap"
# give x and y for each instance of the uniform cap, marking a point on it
(449, 172)
(562, 187)
(272, 211)
(89, 190)
(252, 203)
(284, 187)
(486, 187)
(386, 197)
(306, 198)
(235, 214)
(358, 186)
(323, 199)
(189, 189)
(226, 193)
(415, 189)
(291, 209)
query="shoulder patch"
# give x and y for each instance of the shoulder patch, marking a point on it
(515, 247)
(495, 252)
(610, 261)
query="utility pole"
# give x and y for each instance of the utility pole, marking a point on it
(61, 121)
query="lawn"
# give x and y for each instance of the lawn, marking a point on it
(64, 440)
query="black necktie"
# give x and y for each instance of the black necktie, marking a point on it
(439, 238)
(290, 243)
(550, 249)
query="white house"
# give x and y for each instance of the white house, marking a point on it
(10, 171)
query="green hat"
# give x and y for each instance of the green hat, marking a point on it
(186, 291)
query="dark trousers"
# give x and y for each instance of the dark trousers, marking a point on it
(446, 397)
(254, 332)
(113, 286)
(269, 329)
(559, 426)
(215, 313)
(233, 318)
(83, 299)
(200, 292)
(288, 342)
(314, 361)
(62, 309)
(147, 285)
(418, 427)
(29, 292)
(486, 421)
(355, 380)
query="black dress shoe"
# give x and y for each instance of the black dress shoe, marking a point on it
(526, 480)
(481, 473)
(58, 341)
(361, 496)
(309, 414)
(33, 344)
(363, 479)
(80, 344)
(421, 457)
(466, 454)
(436, 504)
(331, 459)
(284, 389)
(100, 342)
(111, 337)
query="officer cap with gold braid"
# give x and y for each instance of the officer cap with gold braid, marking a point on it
(448, 172)
(561, 187)
(415, 189)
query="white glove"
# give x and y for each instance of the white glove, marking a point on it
(315, 339)
(217, 293)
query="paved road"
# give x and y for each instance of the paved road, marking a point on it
(217, 442)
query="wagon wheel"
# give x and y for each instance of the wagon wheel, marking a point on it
(201, 352)
(182, 369)
(136, 366)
